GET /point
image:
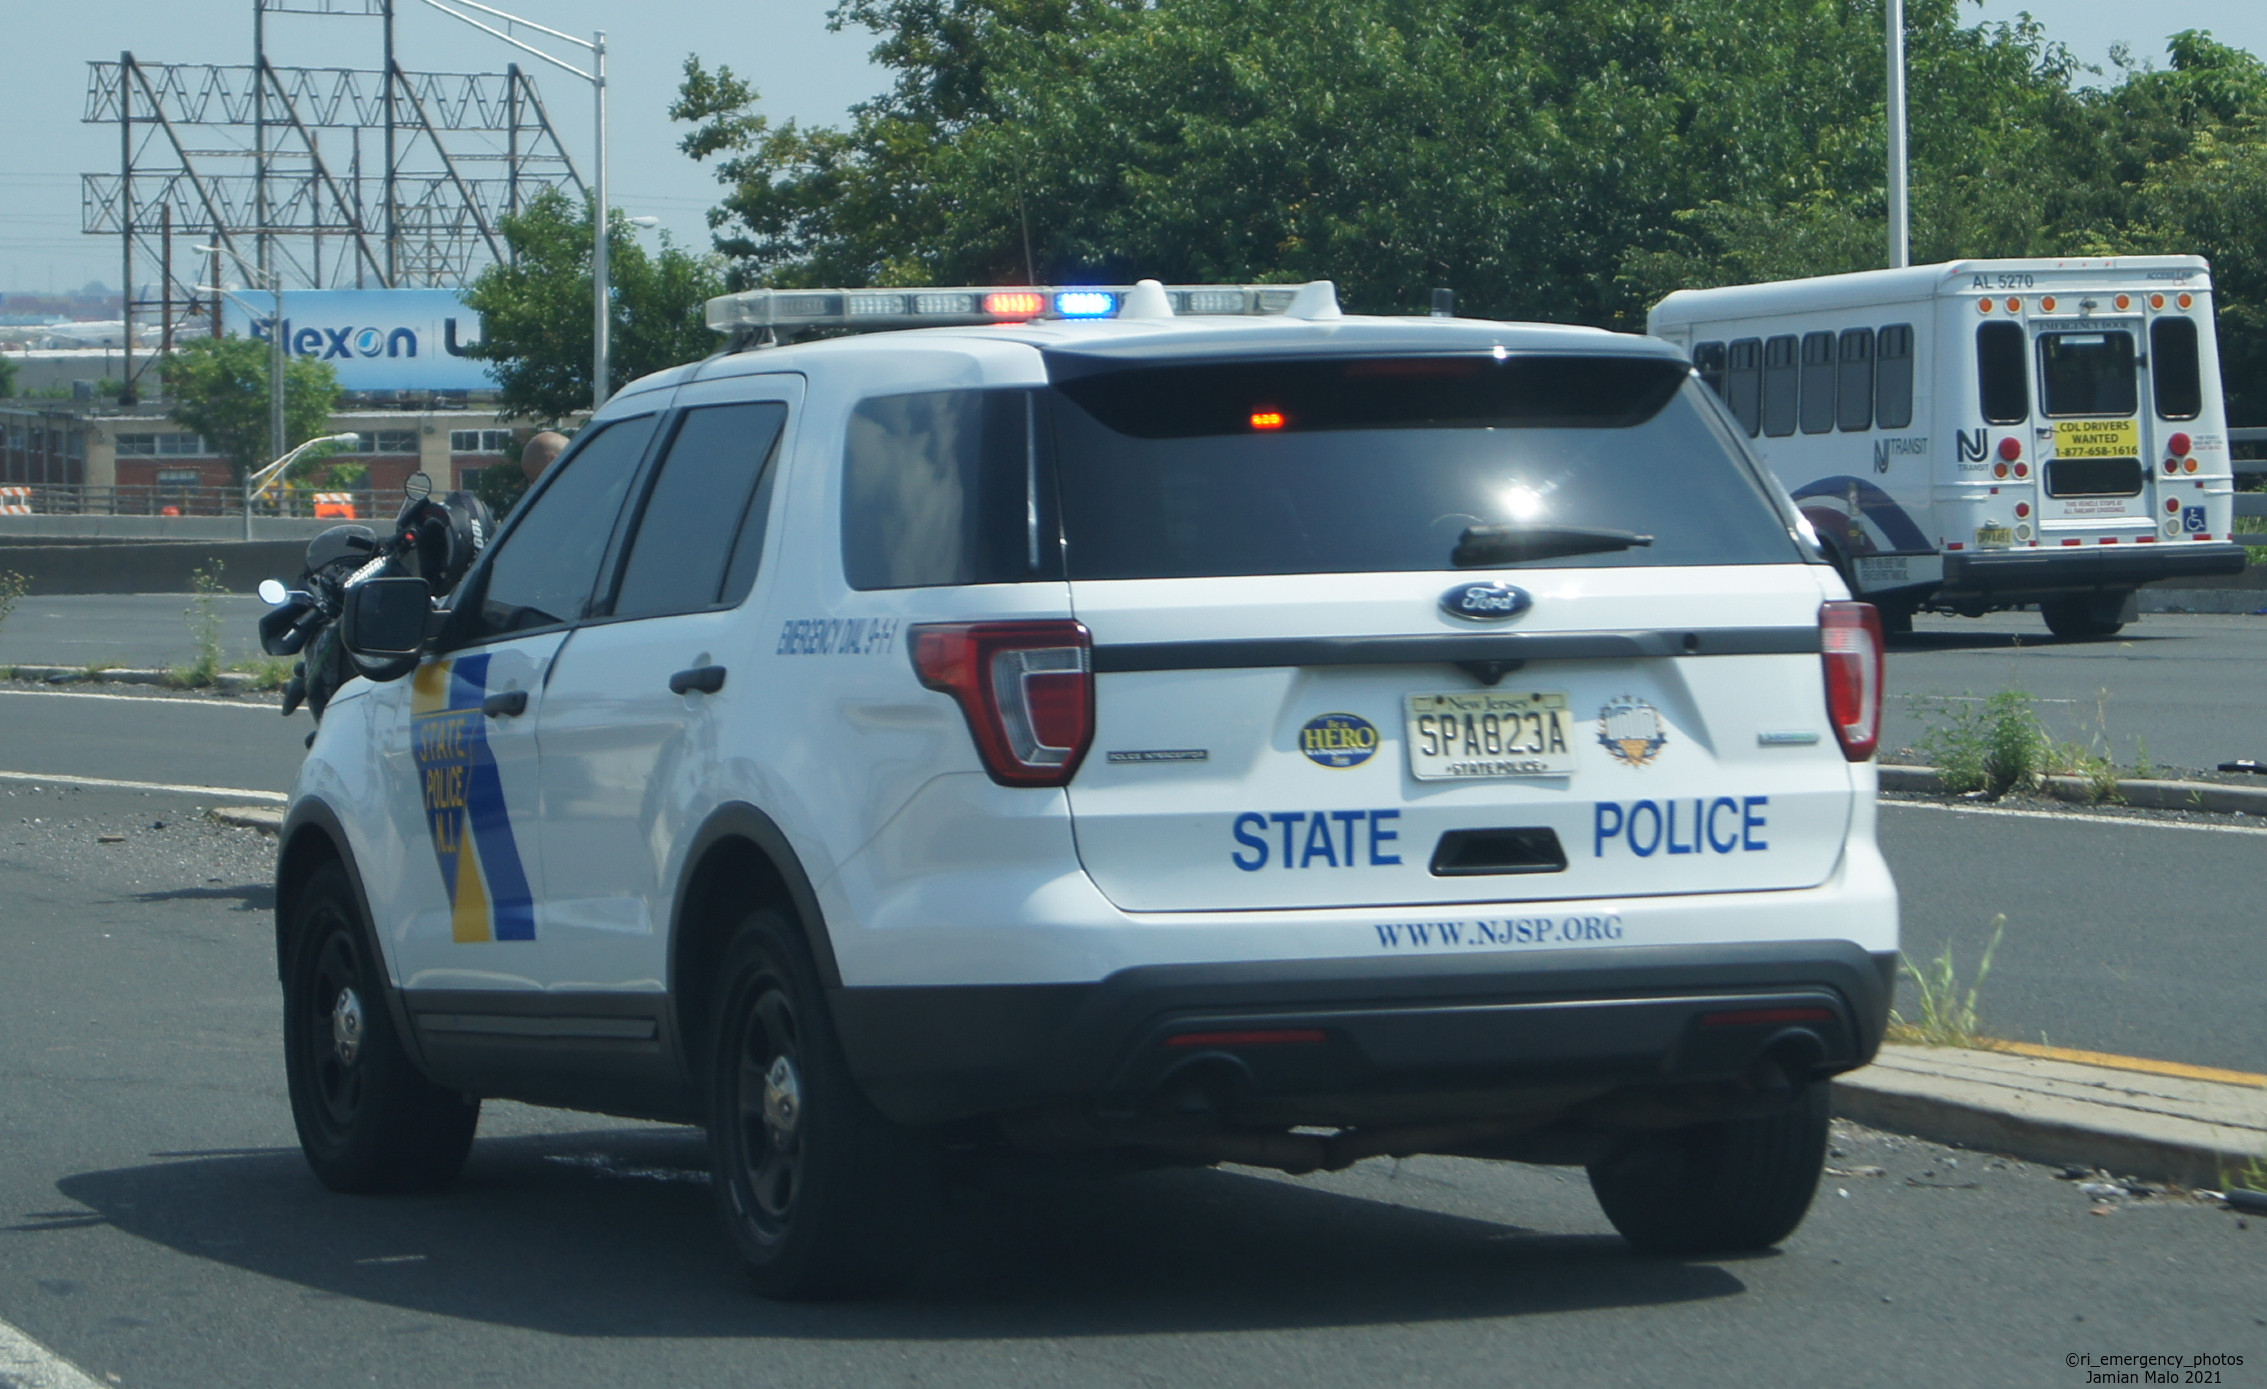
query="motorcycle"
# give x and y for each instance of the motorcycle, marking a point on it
(436, 540)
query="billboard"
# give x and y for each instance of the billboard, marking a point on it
(376, 339)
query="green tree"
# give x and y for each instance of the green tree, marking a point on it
(220, 387)
(7, 378)
(535, 309)
(1556, 159)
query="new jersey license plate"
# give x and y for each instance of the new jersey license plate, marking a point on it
(1484, 733)
(1994, 537)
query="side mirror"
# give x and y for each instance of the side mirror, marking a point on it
(385, 620)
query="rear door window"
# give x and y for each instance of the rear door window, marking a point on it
(1371, 465)
(1708, 360)
(698, 509)
(2176, 374)
(2088, 374)
(2002, 387)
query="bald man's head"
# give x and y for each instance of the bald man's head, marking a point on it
(540, 451)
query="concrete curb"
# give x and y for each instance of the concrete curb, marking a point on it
(2149, 794)
(2158, 1127)
(252, 817)
(234, 682)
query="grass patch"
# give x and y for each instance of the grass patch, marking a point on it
(13, 587)
(1948, 1017)
(1994, 745)
(97, 669)
(272, 673)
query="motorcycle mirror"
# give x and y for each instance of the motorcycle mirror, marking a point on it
(385, 619)
(418, 485)
(273, 593)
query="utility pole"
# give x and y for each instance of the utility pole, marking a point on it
(1900, 234)
(126, 223)
(601, 289)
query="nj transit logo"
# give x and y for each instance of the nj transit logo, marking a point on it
(465, 812)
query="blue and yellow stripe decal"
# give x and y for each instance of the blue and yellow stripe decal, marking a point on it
(471, 827)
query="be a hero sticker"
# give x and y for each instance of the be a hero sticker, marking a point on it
(1338, 740)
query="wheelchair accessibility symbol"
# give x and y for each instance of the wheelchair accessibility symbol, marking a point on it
(2192, 520)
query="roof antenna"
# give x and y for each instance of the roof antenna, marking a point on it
(1315, 299)
(1146, 300)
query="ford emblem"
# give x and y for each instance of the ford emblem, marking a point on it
(1485, 602)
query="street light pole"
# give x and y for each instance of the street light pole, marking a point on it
(601, 288)
(1900, 238)
(278, 354)
(255, 483)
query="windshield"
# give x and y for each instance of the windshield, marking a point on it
(1372, 465)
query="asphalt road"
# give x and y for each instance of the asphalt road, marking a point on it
(120, 734)
(160, 1229)
(2191, 687)
(141, 630)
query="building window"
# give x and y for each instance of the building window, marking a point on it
(385, 441)
(479, 440)
(180, 477)
(160, 446)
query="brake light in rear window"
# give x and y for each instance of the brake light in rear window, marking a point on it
(1851, 649)
(1026, 688)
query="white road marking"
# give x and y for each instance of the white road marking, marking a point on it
(2080, 819)
(105, 784)
(26, 1363)
(268, 709)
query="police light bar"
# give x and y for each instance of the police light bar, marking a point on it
(933, 306)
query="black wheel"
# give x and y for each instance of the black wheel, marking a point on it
(818, 1191)
(1738, 1184)
(2085, 616)
(368, 1119)
(1896, 619)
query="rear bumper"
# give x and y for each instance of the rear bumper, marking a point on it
(2013, 573)
(1360, 1031)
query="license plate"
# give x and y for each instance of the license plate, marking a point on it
(1483, 733)
(1994, 537)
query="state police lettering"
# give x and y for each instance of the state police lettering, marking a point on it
(1325, 838)
(1699, 825)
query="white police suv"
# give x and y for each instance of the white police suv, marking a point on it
(1177, 724)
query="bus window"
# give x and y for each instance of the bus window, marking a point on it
(2176, 377)
(2000, 383)
(1779, 386)
(1893, 377)
(1818, 382)
(1708, 360)
(1743, 383)
(1854, 388)
(2088, 374)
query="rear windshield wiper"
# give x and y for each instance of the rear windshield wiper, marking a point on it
(1491, 545)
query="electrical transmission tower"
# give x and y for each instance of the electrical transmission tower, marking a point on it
(321, 177)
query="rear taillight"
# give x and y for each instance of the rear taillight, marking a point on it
(1027, 689)
(1850, 645)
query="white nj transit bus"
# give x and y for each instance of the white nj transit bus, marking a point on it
(1986, 434)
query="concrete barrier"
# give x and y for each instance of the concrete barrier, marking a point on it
(152, 567)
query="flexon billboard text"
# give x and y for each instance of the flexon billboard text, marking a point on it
(375, 339)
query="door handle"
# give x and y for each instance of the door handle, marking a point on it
(706, 679)
(505, 705)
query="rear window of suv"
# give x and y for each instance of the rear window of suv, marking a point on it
(1380, 464)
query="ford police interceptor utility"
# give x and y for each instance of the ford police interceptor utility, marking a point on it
(1161, 724)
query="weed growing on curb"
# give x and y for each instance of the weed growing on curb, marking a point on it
(13, 587)
(204, 626)
(97, 669)
(1948, 1018)
(2142, 766)
(1995, 745)
(269, 674)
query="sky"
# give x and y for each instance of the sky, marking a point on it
(782, 46)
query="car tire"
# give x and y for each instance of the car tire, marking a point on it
(818, 1191)
(1721, 1188)
(369, 1121)
(2084, 617)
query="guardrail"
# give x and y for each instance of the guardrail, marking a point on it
(160, 499)
(2249, 471)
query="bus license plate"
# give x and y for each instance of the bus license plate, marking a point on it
(1484, 733)
(1994, 537)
